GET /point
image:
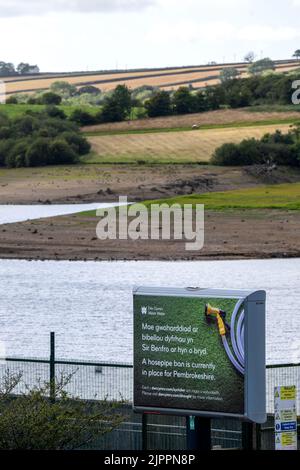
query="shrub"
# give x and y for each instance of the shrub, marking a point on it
(227, 155)
(78, 142)
(40, 139)
(271, 149)
(38, 152)
(31, 421)
(5, 145)
(50, 98)
(16, 154)
(12, 100)
(90, 89)
(60, 152)
(83, 117)
(55, 112)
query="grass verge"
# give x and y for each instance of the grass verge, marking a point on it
(281, 196)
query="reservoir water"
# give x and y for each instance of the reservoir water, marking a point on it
(20, 213)
(89, 304)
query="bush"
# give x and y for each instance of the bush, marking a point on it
(12, 100)
(227, 155)
(60, 152)
(50, 98)
(4, 150)
(16, 154)
(31, 421)
(83, 117)
(55, 112)
(79, 143)
(40, 138)
(90, 89)
(38, 152)
(275, 148)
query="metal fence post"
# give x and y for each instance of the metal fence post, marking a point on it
(258, 436)
(144, 432)
(198, 433)
(52, 366)
(247, 436)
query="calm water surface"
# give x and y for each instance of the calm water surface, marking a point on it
(20, 213)
(89, 304)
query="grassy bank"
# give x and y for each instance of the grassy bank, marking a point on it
(282, 196)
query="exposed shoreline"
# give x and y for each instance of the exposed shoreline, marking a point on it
(232, 234)
(255, 234)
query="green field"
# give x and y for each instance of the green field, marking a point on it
(15, 110)
(282, 196)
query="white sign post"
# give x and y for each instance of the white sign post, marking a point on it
(285, 418)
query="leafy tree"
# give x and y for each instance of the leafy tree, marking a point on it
(37, 153)
(249, 57)
(50, 98)
(16, 156)
(227, 155)
(80, 144)
(183, 101)
(82, 117)
(89, 89)
(117, 107)
(201, 103)
(159, 104)
(6, 69)
(55, 112)
(215, 96)
(297, 54)
(228, 73)
(60, 152)
(12, 100)
(63, 89)
(260, 66)
(33, 422)
(5, 146)
(23, 67)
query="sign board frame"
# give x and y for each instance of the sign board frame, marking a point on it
(254, 398)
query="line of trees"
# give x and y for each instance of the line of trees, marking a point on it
(232, 92)
(7, 69)
(37, 139)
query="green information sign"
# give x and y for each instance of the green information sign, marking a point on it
(191, 353)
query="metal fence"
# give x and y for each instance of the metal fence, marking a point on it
(101, 380)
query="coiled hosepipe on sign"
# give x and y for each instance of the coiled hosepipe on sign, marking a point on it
(235, 352)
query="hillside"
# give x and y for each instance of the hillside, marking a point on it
(165, 78)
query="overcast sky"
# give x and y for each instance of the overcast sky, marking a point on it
(68, 35)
